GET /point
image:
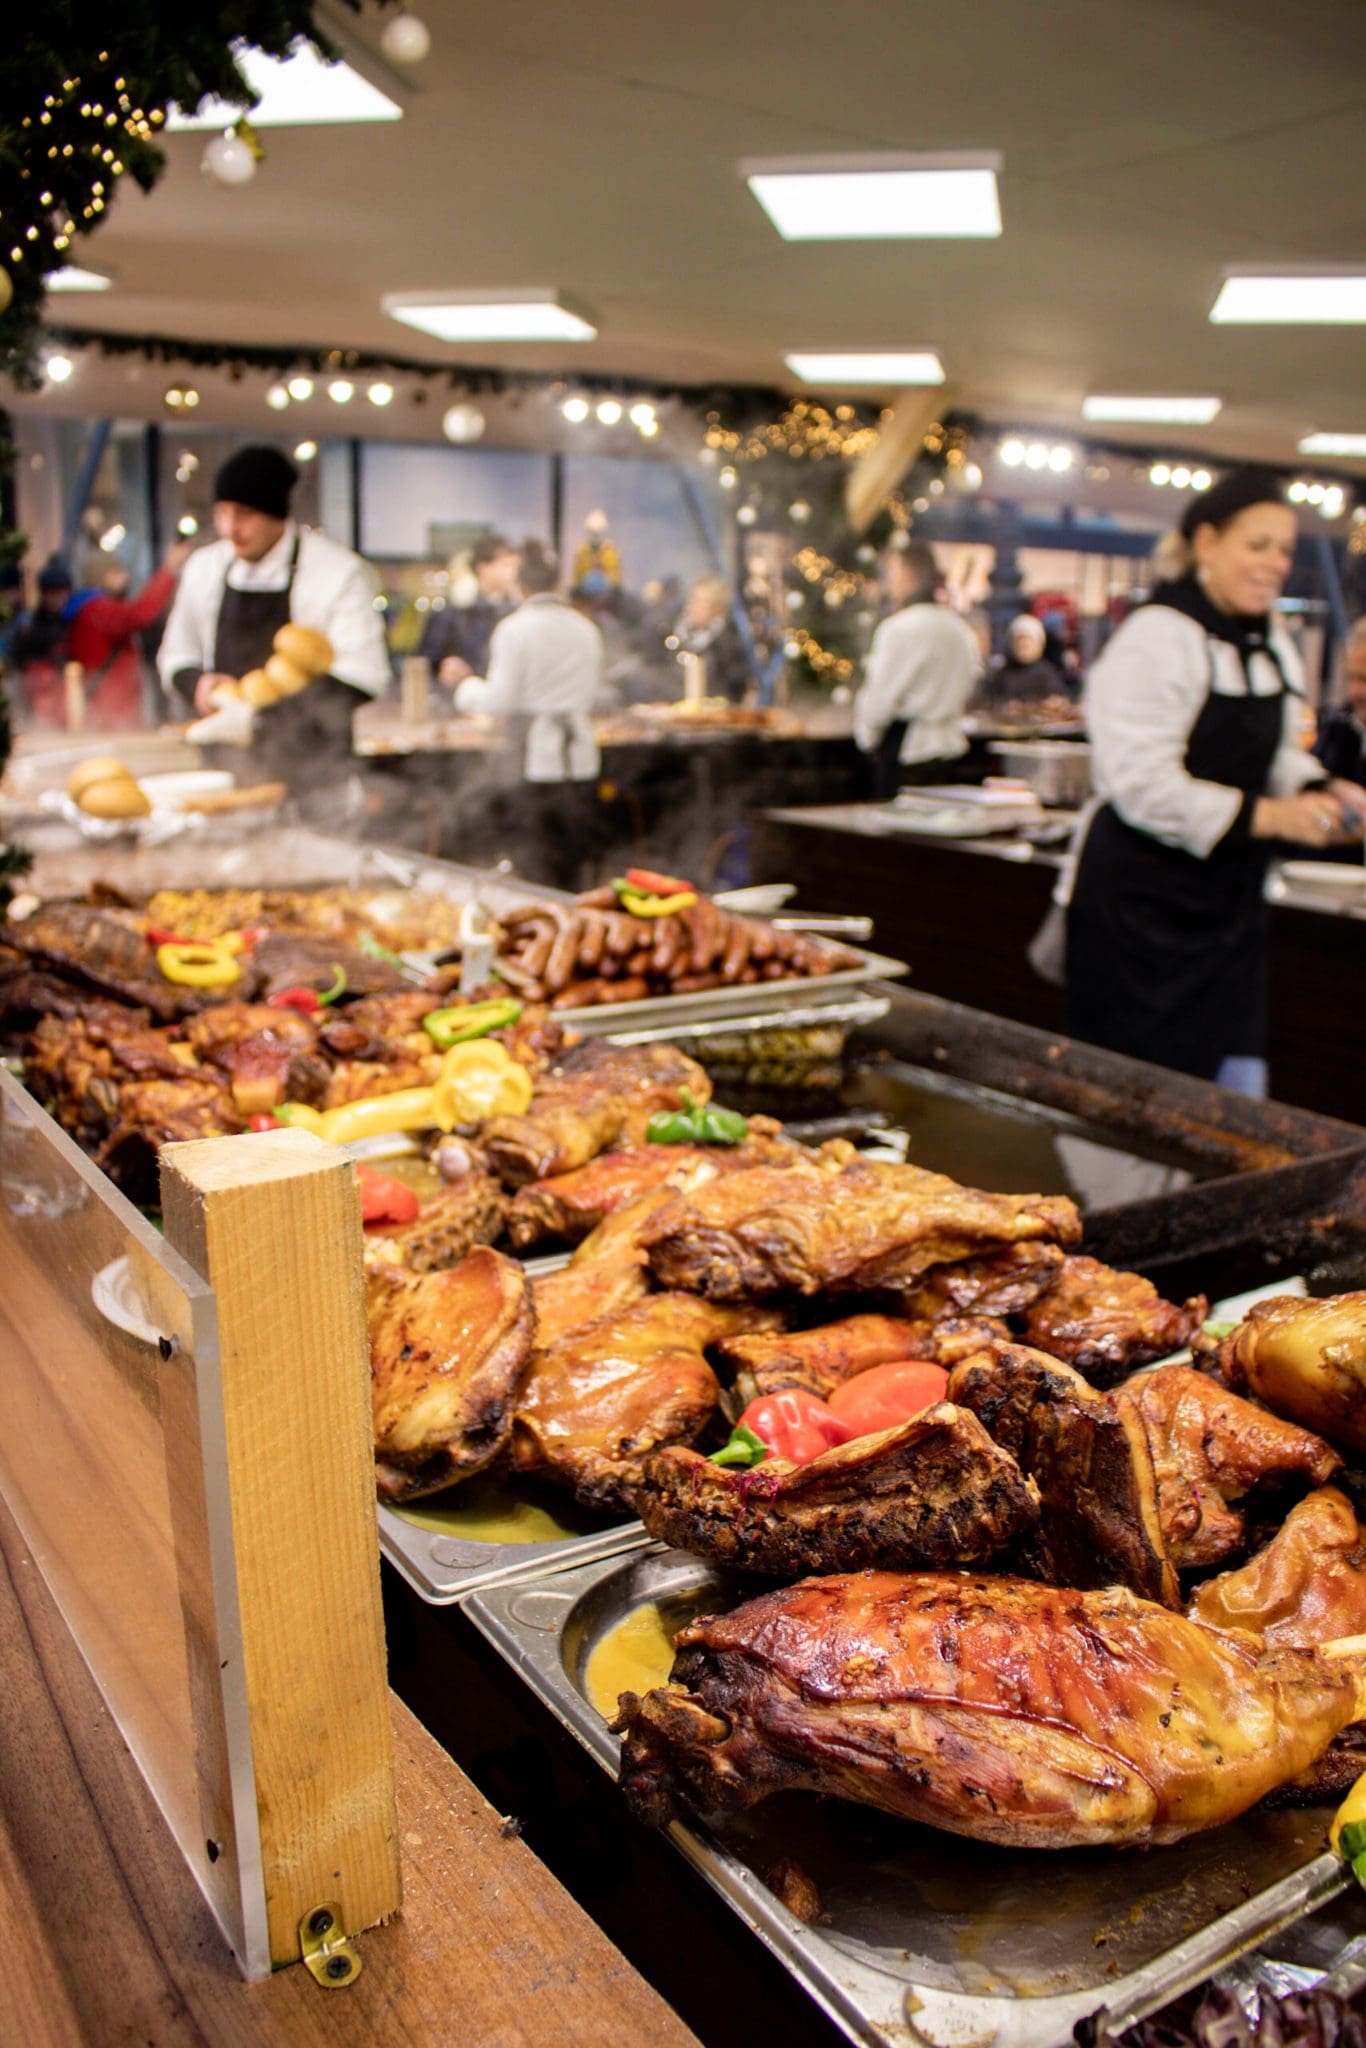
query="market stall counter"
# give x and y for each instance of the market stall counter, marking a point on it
(963, 910)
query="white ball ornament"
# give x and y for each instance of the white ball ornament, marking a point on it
(229, 161)
(463, 422)
(406, 39)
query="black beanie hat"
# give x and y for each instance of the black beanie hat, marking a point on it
(1230, 496)
(260, 478)
(54, 575)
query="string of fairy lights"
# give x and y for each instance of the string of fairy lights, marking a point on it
(119, 115)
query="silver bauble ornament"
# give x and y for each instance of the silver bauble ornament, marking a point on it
(405, 39)
(463, 422)
(229, 161)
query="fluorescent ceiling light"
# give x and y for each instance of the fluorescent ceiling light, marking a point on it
(1333, 444)
(71, 278)
(1176, 412)
(293, 92)
(847, 198)
(868, 366)
(491, 316)
(1329, 297)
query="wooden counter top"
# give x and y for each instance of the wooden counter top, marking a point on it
(107, 1940)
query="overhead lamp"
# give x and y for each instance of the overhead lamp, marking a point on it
(304, 451)
(299, 90)
(380, 393)
(1181, 478)
(187, 526)
(341, 390)
(301, 387)
(1012, 452)
(1298, 492)
(1333, 444)
(1159, 474)
(884, 197)
(609, 411)
(1288, 297)
(649, 429)
(1036, 455)
(1162, 412)
(641, 414)
(1060, 460)
(576, 410)
(867, 366)
(1334, 499)
(491, 316)
(72, 278)
(113, 536)
(58, 369)
(277, 398)
(1201, 479)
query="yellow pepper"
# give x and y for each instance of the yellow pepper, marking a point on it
(656, 906)
(475, 1081)
(1351, 1814)
(196, 965)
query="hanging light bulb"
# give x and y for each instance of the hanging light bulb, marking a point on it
(277, 398)
(380, 394)
(576, 410)
(304, 451)
(301, 387)
(463, 422)
(641, 414)
(58, 369)
(406, 39)
(341, 391)
(609, 411)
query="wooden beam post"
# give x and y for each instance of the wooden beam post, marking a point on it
(273, 1223)
(875, 476)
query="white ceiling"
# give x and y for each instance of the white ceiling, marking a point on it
(594, 147)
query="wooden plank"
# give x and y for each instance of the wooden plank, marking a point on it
(273, 1223)
(106, 1938)
(874, 476)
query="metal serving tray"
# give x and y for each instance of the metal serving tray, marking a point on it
(754, 1003)
(442, 1569)
(922, 1936)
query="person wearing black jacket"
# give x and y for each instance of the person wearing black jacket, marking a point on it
(456, 639)
(1341, 742)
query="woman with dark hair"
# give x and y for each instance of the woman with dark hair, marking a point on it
(1193, 712)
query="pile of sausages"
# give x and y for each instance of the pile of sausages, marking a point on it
(593, 951)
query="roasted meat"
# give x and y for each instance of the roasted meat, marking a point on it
(466, 1212)
(1099, 1512)
(827, 1226)
(824, 1358)
(449, 1354)
(1107, 1323)
(606, 1273)
(1307, 1587)
(103, 950)
(1016, 1713)
(269, 1055)
(381, 1028)
(1305, 1359)
(1210, 1449)
(298, 960)
(603, 1395)
(596, 1096)
(935, 1491)
(1001, 1284)
(569, 1205)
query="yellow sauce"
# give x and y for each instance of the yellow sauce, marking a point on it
(484, 1511)
(633, 1656)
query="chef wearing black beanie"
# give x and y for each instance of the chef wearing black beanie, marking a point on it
(1194, 713)
(265, 571)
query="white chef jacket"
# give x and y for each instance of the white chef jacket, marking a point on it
(547, 662)
(923, 666)
(334, 592)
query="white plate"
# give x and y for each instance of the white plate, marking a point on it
(116, 1296)
(1323, 874)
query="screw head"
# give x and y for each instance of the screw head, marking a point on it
(321, 1922)
(337, 1967)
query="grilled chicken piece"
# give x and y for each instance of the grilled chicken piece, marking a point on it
(1307, 1587)
(606, 1273)
(1001, 1284)
(467, 1212)
(822, 1359)
(603, 1395)
(1305, 1359)
(596, 1096)
(382, 1028)
(934, 1491)
(1107, 1323)
(1099, 1508)
(269, 1055)
(1209, 1449)
(569, 1205)
(449, 1355)
(1012, 1712)
(824, 1225)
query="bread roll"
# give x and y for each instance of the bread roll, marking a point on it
(286, 675)
(303, 644)
(119, 797)
(258, 689)
(95, 768)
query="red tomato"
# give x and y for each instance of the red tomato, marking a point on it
(263, 1120)
(646, 882)
(385, 1199)
(795, 1424)
(886, 1395)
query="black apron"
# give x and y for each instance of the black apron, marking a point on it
(1166, 952)
(304, 740)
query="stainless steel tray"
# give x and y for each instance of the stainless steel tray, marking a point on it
(442, 1569)
(690, 1018)
(760, 1002)
(924, 1937)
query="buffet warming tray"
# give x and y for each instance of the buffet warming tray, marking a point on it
(923, 1936)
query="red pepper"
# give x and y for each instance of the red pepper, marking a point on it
(795, 1425)
(302, 999)
(651, 884)
(157, 935)
(385, 1199)
(887, 1395)
(251, 936)
(263, 1121)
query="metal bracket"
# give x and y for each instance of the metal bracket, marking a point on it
(328, 1955)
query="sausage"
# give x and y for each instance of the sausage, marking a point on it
(597, 899)
(750, 972)
(593, 941)
(621, 933)
(775, 970)
(670, 940)
(633, 989)
(709, 934)
(564, 955)
(575, 994)
(763, 941)
(535, 954)
(690, 984)
(611, 969)
(737, 949)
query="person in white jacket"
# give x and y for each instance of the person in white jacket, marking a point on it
(1194, 712)
(262, 572)
(922, 669)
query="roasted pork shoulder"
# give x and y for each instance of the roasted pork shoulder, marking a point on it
(595, 1096)
(1107, 1323)
(1306, 1360)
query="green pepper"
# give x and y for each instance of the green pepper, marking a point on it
(723, 1126)
(463, 1021)
(373, 950)
(742, 1448)
(1220, 1327)
(338, 988)
(696, 1124)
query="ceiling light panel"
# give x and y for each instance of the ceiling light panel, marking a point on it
(877, 197)
(491, 316)
(71, 278)
(867, 366)
(1333, 298)
(1333, 444)
(293, 92)
(1177, 412)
